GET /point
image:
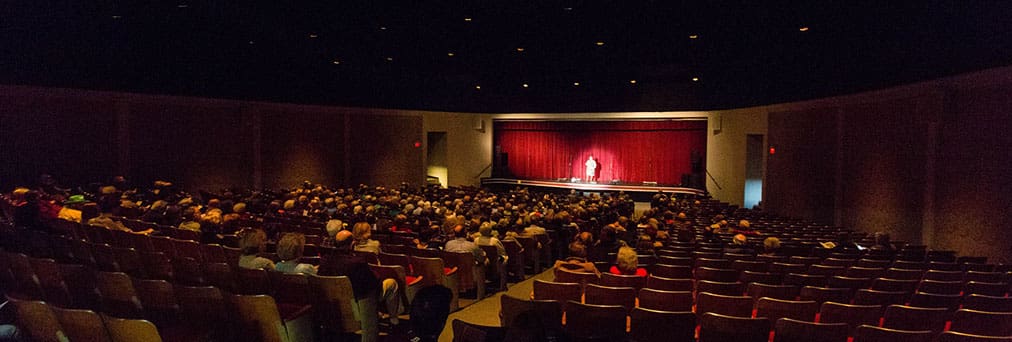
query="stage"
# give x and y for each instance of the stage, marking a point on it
(546, 185)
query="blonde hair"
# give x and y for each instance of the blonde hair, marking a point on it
(771, 244)
(360, 230)
(626, 260)
(252, 241)
(291, 246)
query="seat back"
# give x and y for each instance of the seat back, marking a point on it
(607, 295)
(613, 280)
(335, 306)
(982, 322)
(291, 288)
(562, 292)
(724, 288)
(47, 272)
(853, 315)
(677, 326)
(931, 300)
(597, 322)
(775, 309)
(260, 314)
(549, 311)
(127, 330)
(876, 297)
(158, 298)
(785, 292)
(119, 298)
(37, 320)
(738, 306)
(714, 327)
(955, 336)
(253, 281)
(792, 330)
(668, 284)
(987, 303)
(470, 332)
(665, 300)
(471, 275)
(201, 304)
(904, 317)
(82, 325)
(725, 275)
(940, 287)
(869, 333)
(826, 294)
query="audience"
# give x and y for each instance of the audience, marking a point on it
(362, 232)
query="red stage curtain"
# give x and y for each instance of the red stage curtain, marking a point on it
(630, 151)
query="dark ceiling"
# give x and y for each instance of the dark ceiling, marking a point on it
(689, 54)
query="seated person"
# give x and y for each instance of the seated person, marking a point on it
(739, 245)
(368, 290)
(771, 246)
(485, 238)
(577, 260)
(626, 263)
(253, 242)
(290, 249)
(362, 232)
(459, 244)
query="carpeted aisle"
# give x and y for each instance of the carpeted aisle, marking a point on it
(486, 311)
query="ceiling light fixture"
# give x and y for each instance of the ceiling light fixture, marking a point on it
(467, 19)
(450, 54)
(576, 84)
(117, 16)
(383, 28)
(390, 59)
(524, 85)
(695, 79)
(182, 6)
(313, 35)
(336, 62)
(520, 49)
(599, 43)
(632, 81)
(693, 36)
(477, 87)
(803, 29)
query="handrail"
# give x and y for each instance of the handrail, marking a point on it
(713, 179)
(483, 171)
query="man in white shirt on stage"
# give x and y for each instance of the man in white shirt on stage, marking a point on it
(591, 169)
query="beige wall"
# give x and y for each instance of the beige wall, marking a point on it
(725, 150)
(469, 150)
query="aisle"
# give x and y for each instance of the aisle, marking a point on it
(486, 311)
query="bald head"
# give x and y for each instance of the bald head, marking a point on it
(343, 235)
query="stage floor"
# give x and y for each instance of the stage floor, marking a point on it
(589, 187)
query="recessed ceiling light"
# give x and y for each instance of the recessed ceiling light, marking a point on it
(803, 29)
(313, 35)
(336, 62)
(383, 28)
(695, 79)
(450, 54)
(567, 8)
(520, 49)
(599, 43)
(467, 19)
(524, 85)
(390, 59)
(477, 87)
(576, 84)
(117, 16)
(632, 81)
(251, 42)
(182, 6)
(693, 36)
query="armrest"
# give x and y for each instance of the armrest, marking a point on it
(417, 280)
(451, 272)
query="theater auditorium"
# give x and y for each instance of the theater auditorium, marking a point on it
(556, 170)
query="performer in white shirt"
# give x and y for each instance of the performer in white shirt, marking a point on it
(591, 169)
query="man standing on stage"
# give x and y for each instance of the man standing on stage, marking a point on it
(591, 169)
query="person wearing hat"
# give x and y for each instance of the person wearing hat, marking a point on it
(70, 210)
